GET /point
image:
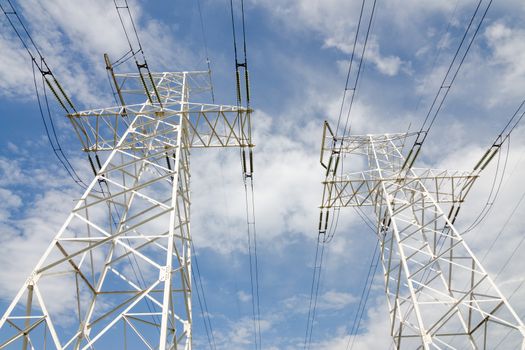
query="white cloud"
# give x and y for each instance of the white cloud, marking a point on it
(25, 240)
(30, 216)
(331, 300)
(388, 65)
(15, 68)
(8, 202)
(373, 333)
(507, 44)
(335, 22)
(239, 334)
(290, 207)
(243, 296)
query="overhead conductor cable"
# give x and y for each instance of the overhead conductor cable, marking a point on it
(247, 171)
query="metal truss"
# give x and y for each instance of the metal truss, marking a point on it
(438, 294)
(118, 273)
(208, 125)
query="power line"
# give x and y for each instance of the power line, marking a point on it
(502, 268)
(437, 103)
(49, 80)
(515, 250)
(247, 170)
(493, 194)
(446, 84)
(134, 49)
(327, 233)
(53, 141)
(503, 136)
(432, 114)
(37, 58)
(359, 69)
(314, 290)
(132, 53)
(439, 100)
(240, 64)
(363, 300)
(203, 305)
(350, 68)
(354, 81)
(205, 42)
(251, 233)
(485, 160)
(440, 47)
(507, 221)
(322, 240)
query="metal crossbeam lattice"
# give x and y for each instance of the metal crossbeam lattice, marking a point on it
(438, 294)
(118, 273)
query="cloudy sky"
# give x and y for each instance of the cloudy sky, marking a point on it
(298, 54)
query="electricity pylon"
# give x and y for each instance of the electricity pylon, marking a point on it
(438, 294)
(118, 273)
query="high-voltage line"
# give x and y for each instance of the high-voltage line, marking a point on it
(49, 127)
(327, 232)
(205, 43)
(460, 55)
(242, 88)
(135, 47)
(49, 80)
(488, 156)
(203, 304)
(365, 294)
(314, 290)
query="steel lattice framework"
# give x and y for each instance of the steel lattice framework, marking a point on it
(121, 263)
(438, 294)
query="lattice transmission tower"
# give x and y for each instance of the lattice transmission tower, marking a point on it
(438, 294)
(118, 272)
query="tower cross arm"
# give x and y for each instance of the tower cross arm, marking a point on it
(361, 189)
(207, 125)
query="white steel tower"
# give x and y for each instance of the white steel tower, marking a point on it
(438, 294)
(118, 272)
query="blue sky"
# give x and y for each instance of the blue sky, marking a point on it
(298, 54)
